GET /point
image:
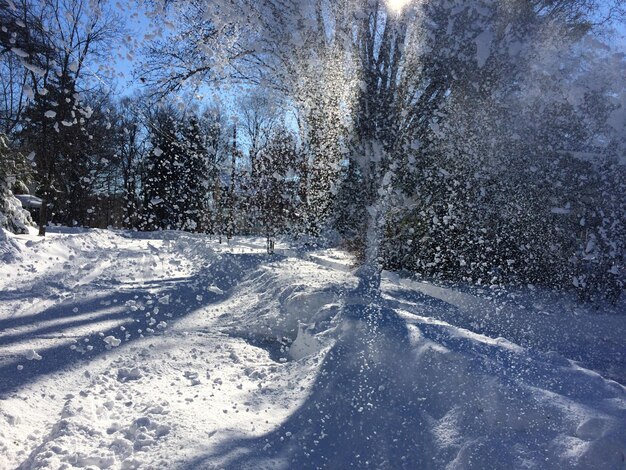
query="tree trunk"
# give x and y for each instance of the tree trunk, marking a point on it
(43, 216)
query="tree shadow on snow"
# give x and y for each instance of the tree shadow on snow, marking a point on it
(362, 411)
(183, 297)
(532, 330)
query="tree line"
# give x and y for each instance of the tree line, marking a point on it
(480, 140)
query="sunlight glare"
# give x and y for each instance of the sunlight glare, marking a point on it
(397, 5)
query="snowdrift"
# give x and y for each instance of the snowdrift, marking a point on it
(9, 248)
(400, 390)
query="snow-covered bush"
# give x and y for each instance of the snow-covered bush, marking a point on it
(13, 216)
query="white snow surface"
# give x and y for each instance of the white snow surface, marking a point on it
(9, 248)
(124, 350)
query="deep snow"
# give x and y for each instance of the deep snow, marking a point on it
(168, 350)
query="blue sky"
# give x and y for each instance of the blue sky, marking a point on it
(139, 26)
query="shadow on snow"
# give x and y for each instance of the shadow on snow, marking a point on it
(224, 274)
(361, 411)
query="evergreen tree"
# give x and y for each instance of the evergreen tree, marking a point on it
(195, 182)
(179, 173)
(276, 185)
(54, 130)
(129, 142)
(161, 189)
(14, 172)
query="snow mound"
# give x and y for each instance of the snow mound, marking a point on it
(286, 303)
(9, 248)
(398, 391)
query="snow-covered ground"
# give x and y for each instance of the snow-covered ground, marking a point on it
(130, 350)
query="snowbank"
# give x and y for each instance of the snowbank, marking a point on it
(400, 390)
(388, 398)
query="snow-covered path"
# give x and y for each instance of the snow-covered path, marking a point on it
(121, 350)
